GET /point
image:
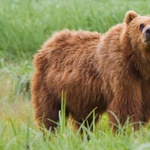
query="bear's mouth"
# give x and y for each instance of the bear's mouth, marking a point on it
(147, 40)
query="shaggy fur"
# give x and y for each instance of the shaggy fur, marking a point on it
(110, 72)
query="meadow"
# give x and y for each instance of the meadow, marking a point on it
(24, 26)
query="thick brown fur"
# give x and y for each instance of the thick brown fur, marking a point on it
(110, 72)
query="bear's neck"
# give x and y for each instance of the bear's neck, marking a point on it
(115, 46)
(137, 59)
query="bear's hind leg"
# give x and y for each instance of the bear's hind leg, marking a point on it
(47, 114)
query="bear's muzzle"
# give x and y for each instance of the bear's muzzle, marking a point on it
(146, 36)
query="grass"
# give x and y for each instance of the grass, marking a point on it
(24, 26)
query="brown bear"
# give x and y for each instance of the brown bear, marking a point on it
(108, 71)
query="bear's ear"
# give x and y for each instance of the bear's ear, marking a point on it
(130, 15)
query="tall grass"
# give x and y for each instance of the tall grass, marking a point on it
(18, 131)
(26, 24)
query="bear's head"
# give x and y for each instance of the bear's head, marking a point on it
(137, 30)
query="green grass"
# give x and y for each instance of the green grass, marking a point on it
(24, 26)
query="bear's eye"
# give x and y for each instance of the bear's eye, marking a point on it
(141, 27)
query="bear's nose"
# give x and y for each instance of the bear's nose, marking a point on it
(148, 32)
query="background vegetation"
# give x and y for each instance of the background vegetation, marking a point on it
(24, 26)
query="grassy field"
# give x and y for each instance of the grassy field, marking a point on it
(24, 26)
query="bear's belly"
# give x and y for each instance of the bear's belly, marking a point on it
(82, 110)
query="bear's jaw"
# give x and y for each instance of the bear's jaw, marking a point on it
(146, 45)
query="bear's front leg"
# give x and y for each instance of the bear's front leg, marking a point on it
(127, 102)
(146, 102)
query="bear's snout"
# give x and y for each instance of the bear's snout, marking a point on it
(147, 32)
(146, 36)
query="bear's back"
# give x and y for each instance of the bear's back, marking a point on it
(67, 49)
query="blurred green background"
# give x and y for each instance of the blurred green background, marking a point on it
(26, 24)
